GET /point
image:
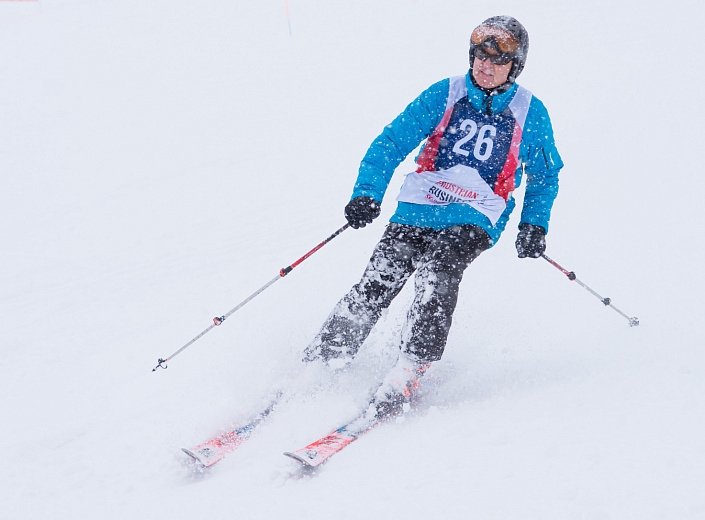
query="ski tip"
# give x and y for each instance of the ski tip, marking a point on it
(203, 457)
(195, 457)
(298, 458)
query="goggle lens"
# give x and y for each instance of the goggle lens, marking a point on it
(495, 59)
(506, 41)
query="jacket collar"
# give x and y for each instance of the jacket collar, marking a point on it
(479, 99)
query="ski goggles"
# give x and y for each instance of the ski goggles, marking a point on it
(495, 59)
(506, 41)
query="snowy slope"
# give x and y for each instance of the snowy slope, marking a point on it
(162, 160)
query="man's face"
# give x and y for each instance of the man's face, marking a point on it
(487, 74)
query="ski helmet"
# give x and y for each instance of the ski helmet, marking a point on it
(516, 50)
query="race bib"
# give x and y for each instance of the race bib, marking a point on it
(471, 157)
(459, 184)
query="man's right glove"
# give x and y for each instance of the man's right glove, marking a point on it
(362, 211)
(531, 241)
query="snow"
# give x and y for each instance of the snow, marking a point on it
(163, 160)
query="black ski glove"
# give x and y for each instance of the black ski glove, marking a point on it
(362, 211)
(531, 241)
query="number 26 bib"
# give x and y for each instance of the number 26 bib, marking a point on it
(471, 157)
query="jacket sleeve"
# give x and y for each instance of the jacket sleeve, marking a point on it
(542, 163)
(399, 139)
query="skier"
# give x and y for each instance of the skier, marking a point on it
(482, 130)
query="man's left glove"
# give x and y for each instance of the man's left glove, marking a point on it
(531, 241)
(362, 211)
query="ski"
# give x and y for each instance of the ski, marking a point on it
(324, 448)
(318, 452)
(216, 449)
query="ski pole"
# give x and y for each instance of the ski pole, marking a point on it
(218, 320)
(606, 301)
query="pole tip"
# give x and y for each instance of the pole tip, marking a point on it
(633, 322)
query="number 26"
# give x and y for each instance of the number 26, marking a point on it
(482, 138)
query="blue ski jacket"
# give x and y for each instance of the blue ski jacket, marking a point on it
(538, 156)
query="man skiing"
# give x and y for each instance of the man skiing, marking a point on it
(482, 130)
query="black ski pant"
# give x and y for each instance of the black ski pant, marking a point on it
(438, 257)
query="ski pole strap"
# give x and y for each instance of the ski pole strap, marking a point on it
(607, 302)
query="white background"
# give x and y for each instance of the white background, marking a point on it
(162, 160)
